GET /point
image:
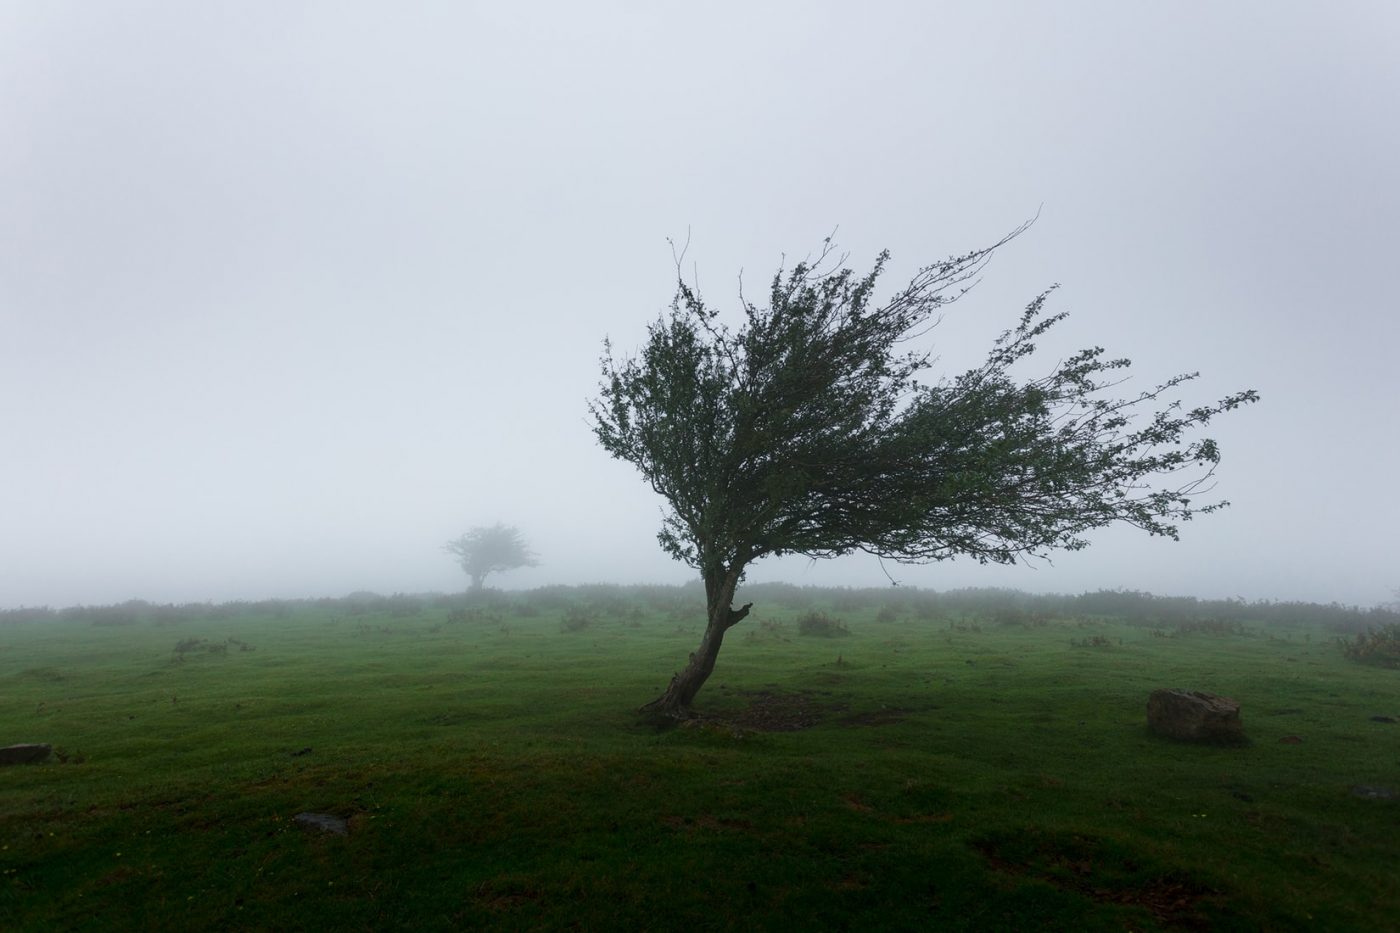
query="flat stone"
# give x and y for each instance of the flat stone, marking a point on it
(24, 754)
(325, 822)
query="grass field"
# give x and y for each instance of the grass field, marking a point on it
(932, 769)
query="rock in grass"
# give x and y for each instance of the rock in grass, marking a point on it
(1193, 716)
(323, 822)
(1371, 792)
(24, 754)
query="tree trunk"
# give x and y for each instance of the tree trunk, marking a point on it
(719, 592)
(478, 580)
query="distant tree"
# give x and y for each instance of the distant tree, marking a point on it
(806, 430)
(490, 549)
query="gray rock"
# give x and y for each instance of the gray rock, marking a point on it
(322, 821)
(24, 754)
(1370, 792)
(1193, 716)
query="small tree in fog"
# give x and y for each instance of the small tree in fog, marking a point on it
(490, 549)
(806, 430)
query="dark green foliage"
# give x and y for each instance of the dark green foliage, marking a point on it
(807, 430)
(1380, 647)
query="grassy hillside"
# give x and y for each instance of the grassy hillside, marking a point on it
(947, 763)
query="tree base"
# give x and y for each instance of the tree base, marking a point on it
(675, 702)
(669, 705)
(662, 720)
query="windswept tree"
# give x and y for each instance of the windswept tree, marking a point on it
(804, 428)
(490, 549)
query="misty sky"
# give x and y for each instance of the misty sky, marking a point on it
(291, 293)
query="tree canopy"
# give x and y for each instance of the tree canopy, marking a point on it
(490, 549)
(807, 429)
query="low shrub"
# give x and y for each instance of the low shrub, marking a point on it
(766, 630)
(197, 645)
(1380, 647)
(822, 625)
(576, 619)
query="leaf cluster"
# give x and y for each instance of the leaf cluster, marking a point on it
(806, 429)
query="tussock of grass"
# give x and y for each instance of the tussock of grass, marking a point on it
(821, 625)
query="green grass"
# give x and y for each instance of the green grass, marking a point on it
(960, 774)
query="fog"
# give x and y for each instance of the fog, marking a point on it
(291, 294)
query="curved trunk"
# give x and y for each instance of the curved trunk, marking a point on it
(719, 592)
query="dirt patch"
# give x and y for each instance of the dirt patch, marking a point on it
(1088, 867)
(1170, 900)
(117, 876)
(772, 710)
(856, 804)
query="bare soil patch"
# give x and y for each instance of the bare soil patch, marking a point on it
(772, 710)
(1079, 864)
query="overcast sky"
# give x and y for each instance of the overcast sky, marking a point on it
(291, 293)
